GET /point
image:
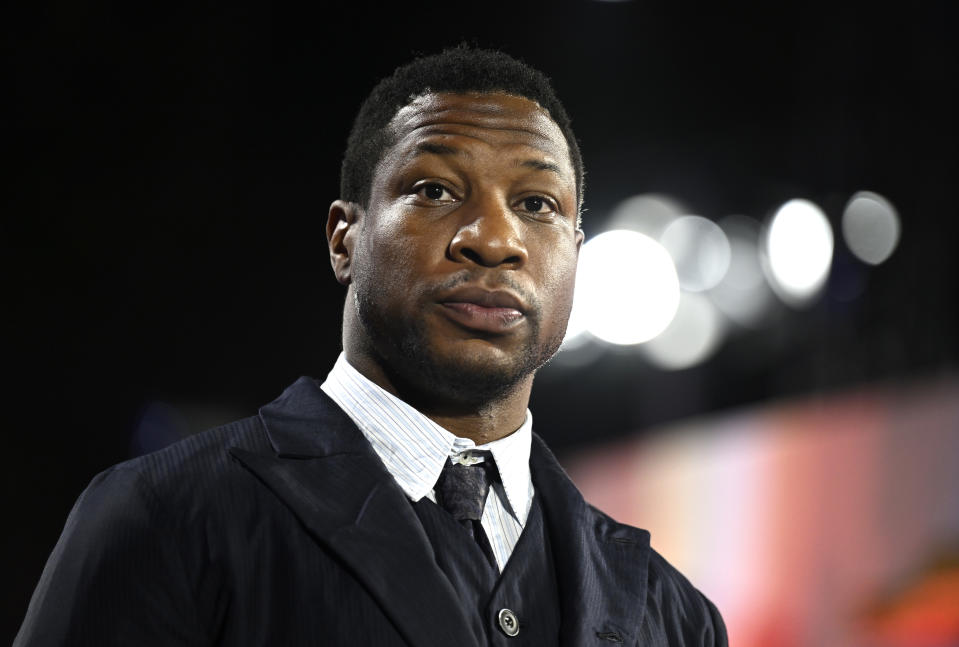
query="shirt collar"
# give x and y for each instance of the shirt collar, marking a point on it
(414, 448)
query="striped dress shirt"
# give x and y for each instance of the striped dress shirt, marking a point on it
(414, 449)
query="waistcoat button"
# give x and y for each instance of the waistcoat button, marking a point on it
(508, 622)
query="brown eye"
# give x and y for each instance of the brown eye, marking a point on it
(537, 204)
(434, 192)
(533, 204)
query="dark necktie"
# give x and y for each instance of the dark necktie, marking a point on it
(461, 490)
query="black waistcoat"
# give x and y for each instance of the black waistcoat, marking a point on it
(527, 586)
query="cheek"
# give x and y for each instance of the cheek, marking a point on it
(394, 258)
(560, 280)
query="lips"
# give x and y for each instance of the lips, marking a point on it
(491, 311)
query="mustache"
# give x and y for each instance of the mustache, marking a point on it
(490, 281)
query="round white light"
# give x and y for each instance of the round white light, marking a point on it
(692, 336)
(870, 226)
(798, 251)
(700, 251)
(627, 290)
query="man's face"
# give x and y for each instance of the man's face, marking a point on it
(463, 269)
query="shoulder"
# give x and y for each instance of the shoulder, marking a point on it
(678, 609)
(173, 486)
(129, 558)
(205, 454)
(676, 612)
(189, 467)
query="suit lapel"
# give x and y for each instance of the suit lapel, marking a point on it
(324, 470)
(601, 565)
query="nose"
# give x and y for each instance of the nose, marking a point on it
(490, 235)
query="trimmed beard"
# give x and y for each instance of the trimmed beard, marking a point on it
(414, 367)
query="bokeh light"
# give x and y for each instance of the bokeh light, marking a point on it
(627, 290)
(576, 326)
(647, 213)
(870, 226)
(692, 336)
(699, 249)
(798, 250)
(742, 295)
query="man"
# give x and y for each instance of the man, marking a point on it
(405, 500)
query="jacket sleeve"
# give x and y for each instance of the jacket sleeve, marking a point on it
(115, 576)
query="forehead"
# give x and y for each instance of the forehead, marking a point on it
(497, 119)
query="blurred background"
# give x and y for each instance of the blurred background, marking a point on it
(771, 205)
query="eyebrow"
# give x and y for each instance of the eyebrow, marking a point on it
(442, 149)
(541, 166)
(436, 149)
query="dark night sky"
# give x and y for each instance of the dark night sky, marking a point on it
(171, 168)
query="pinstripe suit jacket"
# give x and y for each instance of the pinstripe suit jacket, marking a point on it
(285, 529)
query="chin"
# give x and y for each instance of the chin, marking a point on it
(478, 371)
(469, 379)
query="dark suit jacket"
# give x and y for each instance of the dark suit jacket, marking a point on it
(286, 529)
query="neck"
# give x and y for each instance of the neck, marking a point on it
(484, 423)
(481, 421)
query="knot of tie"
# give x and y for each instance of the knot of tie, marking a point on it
(461, 490)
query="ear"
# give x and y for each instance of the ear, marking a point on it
(341, 230)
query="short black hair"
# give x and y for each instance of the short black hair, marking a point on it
(462, 69)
